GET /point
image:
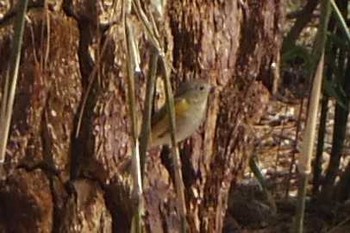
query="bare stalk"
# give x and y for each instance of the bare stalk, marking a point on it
(11, 79)
(310, 131)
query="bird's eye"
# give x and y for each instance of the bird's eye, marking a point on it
(201, 88)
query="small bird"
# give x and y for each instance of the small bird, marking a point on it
(190, 108)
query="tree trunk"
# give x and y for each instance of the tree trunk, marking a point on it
(55, 181)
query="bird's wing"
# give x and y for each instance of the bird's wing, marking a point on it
(160, 121)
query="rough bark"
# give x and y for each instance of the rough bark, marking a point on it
(53, 181)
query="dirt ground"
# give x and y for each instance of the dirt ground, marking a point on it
(278, 137)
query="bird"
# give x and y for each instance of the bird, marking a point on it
(190, 103)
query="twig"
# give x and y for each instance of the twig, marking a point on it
(10, 85)
(146, 119)
(132, 66)
(304, 165)
(174, 150)
(181, 205)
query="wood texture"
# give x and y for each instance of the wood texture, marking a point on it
(68, 184)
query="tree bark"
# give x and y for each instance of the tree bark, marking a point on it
(54, 181)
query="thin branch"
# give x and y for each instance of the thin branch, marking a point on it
(132, 67)
(10, 86)
(310, 130)
(146, 119)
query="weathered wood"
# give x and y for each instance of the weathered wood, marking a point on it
(232, 44)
